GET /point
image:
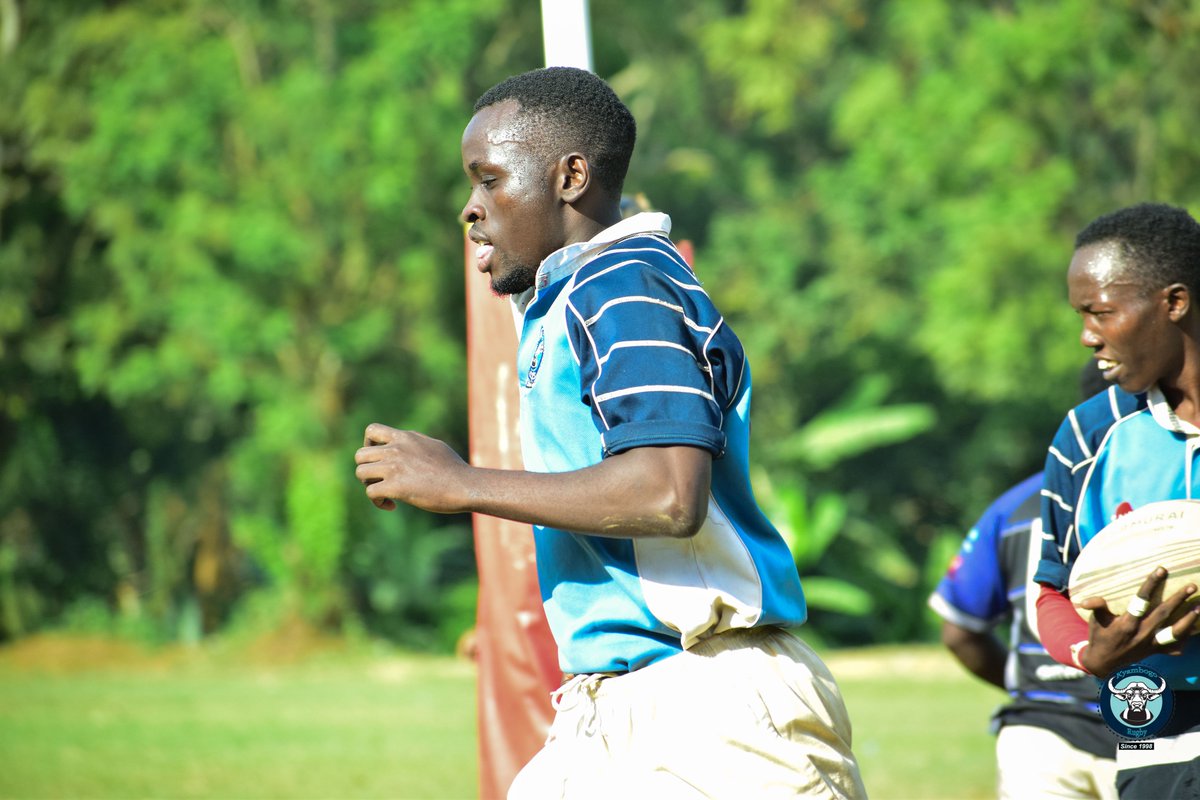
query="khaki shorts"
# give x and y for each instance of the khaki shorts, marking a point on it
(744, 714)
(1033, 762)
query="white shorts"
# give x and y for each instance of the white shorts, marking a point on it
(743, 714)
(1034, 763)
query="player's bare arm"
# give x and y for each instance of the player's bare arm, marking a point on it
(980, 652)
(647, 491)
(1115, 641)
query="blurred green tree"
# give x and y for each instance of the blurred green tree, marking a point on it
(249, 206)
(227, 242)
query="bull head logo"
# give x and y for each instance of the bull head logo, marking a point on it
(1137, 695)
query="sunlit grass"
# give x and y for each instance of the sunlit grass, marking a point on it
(350, 726)
(88, 720)
(920, 723)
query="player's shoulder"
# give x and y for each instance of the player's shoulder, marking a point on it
(630, 263)
(1086, 424)
(1109, 406)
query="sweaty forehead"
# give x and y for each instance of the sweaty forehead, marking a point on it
(509, 130)
(1102, 262)
(500, 124)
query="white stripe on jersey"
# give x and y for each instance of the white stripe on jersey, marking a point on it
(707, 366)
(667, 249)
(1079, 434)
(1066, 462)
(691, 286)
(1087, 462)
(1057, 499)
(644, 343)
(654, 388)
(637, 298)
(1112, 402)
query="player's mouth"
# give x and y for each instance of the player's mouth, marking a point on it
(483, 251)
(1108, 367)
(483, 257)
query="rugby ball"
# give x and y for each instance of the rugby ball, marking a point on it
(1117, 560)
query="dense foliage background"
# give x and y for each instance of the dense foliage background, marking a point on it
(228, 241)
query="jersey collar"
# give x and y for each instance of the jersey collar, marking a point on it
(567, 260)
(1164, 415)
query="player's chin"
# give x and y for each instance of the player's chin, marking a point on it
(1134, 378)
(1134, 384)
(513, 281)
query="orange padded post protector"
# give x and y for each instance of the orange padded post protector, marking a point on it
(516, 655)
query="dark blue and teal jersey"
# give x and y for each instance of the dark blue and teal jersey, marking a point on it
(1115, 453)
(620, 347)
(987, 585)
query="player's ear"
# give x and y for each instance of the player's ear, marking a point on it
(1179, 301)
(573, 175)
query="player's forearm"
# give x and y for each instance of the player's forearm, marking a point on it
(647, 492)
(1062, 631)
(981, 653)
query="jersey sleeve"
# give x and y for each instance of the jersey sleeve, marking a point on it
(658, 366)
(1061, 487)
(972, 594)
(1068, 462)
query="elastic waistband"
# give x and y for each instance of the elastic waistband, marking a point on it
(736, 638)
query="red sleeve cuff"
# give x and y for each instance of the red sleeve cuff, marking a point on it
(1060, 626)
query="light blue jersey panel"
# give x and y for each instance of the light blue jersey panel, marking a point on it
(1157, 471)
(626, 350)
(590, 584)
(1142, 462)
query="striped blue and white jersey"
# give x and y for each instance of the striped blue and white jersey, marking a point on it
(1115, 453)
(620, 347)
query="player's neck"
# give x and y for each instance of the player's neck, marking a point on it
(1183, 394)
(587, 218)
(1187, 411)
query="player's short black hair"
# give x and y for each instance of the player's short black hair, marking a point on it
(1160, 243)
(573, 110)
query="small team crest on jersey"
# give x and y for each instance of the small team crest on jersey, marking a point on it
(535, 363)
(1136, 702)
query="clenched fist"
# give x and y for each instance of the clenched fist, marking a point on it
(410, 467)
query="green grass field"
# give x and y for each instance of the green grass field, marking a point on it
(91, 719)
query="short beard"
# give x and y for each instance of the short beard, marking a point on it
(515, 281)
